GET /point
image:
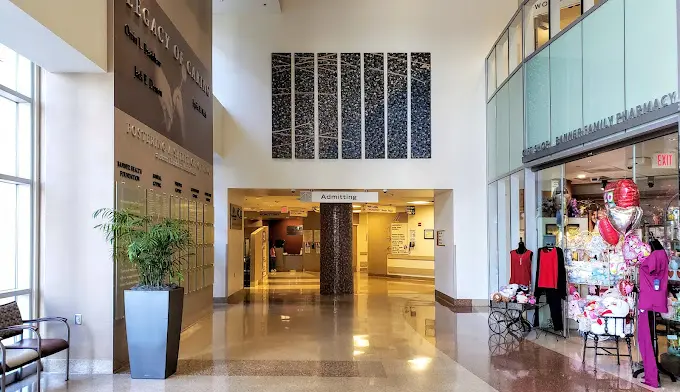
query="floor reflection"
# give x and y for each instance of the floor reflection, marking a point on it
(389, 336)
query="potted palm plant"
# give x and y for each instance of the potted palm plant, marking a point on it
(153, 308)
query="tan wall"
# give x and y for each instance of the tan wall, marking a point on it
(424, 215)
(235, 252)
(362, 240)
(311, 261)
(259, 255)
(83, 24)
(379, 243)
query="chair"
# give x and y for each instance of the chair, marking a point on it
(26, 351)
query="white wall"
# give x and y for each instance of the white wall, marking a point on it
(76, 270)
(425, 216)
(458, 33)
(447, 273)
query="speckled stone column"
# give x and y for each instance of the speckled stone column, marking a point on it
(337, 276)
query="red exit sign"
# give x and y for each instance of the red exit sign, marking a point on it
(664, 160)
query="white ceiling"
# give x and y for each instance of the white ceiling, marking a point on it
(246, 6)
(274, 199)
(617, 164)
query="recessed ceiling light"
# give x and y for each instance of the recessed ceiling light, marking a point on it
(419, 202)
(581, 176)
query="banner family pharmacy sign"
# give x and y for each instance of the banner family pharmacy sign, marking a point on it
(606, 126)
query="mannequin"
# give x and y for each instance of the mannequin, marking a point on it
(520, 265)
(520, 247)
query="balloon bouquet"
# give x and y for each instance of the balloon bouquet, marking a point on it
(623, 216)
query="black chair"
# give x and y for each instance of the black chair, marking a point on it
(26, 351)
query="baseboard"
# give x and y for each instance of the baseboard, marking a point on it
(451, 302)
(235, 298)
(78, 366)
(402, 277)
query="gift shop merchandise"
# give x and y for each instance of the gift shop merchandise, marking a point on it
(551, 281)
(520, 266)
(653, 287)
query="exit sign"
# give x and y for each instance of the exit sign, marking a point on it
(664, 160)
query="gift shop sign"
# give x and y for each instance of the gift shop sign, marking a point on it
(664, 160)
(660, 107)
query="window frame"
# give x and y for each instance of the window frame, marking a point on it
(32, 182)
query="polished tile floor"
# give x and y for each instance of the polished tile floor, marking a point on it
(389, 336)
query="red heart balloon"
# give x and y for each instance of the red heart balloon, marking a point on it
(626, 194)
(608, 232)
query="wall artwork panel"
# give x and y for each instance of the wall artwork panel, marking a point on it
(374, 105)
(350, 104)
(397, 105)
(282, 122)
(421, 115)
(305, 143)
(358, 106)
(327, 107)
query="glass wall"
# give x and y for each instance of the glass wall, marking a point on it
(505, 128)
(571, 84)
(506, 226)
(16, 179)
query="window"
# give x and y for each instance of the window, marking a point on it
(562, 14)
(515, 47)
(502, 60)
(536, 25)
(491, 74)
(16, 179)
(588, 4)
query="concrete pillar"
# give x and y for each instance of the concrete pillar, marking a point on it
(337, 276)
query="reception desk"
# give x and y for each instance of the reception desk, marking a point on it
(292, 262)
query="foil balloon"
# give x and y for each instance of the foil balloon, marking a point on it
(635, 250)
(625, 287)
(626, 194)
(609, 194)
(608, 232)
(624, 220)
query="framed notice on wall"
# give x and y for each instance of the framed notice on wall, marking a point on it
(235, 217)
(440, 238)
(429, 234)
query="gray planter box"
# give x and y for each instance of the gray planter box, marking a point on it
(153, 320)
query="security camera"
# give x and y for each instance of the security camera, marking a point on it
(384, 190)
(292, 191)
(650, 181)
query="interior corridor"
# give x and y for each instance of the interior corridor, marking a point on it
(390, 336)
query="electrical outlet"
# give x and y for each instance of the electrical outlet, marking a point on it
(79, 319)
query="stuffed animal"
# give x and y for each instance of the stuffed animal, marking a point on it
(613, 320)
(521, 298)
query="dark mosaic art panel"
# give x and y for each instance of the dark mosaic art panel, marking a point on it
(374, 105)
(327, 109)
(304, 106)
(282, 122)
(397, 105)
(337, 275)
(350, 104)
(421, 116)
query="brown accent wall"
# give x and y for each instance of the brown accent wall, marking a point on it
(311, 261)
(277, 231)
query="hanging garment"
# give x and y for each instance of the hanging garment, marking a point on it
(645, 321)
(653, 273)
(550, 271)
(551, 280)
(520, 267)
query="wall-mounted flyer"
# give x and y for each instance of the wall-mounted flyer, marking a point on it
(399, 238)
